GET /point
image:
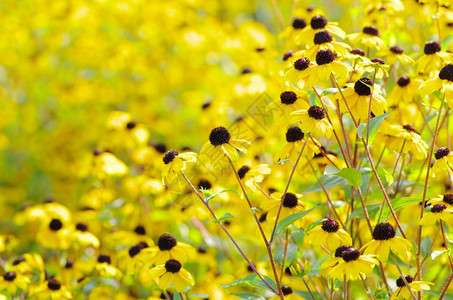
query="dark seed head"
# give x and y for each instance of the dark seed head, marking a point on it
(362, 86)
(242, 171)
(350, 254)
(130, 125)
(371, 30)
(441, 152)
(287, 290)
(219, 136)
(69, 263)
(340, 250)
(166, 242)
(104, 259)
(140, 230)
(288, 54)
(383, 231)
(438, 208)
(9, 276)
(299, 23)
(397, 50)
(448, 198)
(55, 225)
(263, 217)
(403, 81)
(325, 56)
(446, 73)
(290, 200)
(410, 128)
(288, 97)
(170, 156)
(318, 22)
(53, 285)
(18, 260)
(400, 281)
(301, 64)
(134, 250)
(260, 49)
(330, 226)
(378, 61)
(205, 184)
(81, 227)
(357, 51)
(173, 266)
(316, 112)
(432, 47)
(205, 105)
(322, 37)
(160, 147)
(294, 134)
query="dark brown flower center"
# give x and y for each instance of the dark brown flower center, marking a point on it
(362, 86)
(140, 230)
(263, 217)
(294, 134)
(18, 260)
(322, 37)
(378, 61)
(290, 200)
(242, 171)
(383, 231)
(299, 23)
(55, 225)
(410, 128)
(288, 97)
(397, 50)
(301, 64)
(287, 290)
(288, 54)
(404, 81)
(448, 198)
(205, 184)
(134, 250)
(357, 51)
(348, 253)
(69, 263)
(446, 73)
(81, 227)
(441, 152)
(432, 47)
(438, 208)
(330, 226)
(9, 276)
(170, 156)
(130, 125)
(316, 112)
(371, 30)
(173, 266)
(219, 136)
(53, 285)
(318, 22)
(104, 259)
(400, 281)
(166, 242)
(325, 56)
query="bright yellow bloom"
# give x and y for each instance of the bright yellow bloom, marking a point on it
(433, 59)
(169, 248)
(444, 160)
(369, 37)
(174, 163)
(323, 40)
(170, 272)
(329, 234)
(394, 54)
(326, 65)
(443, 83)
(12, 282)
(402, 292)
(320, 23)
(313, 120)
(253, 175)
(291, 205)
(298, 74)
(397, 135)
(51, 289)
(295, 140)
(438, 212)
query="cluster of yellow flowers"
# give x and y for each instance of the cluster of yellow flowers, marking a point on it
(206, 149)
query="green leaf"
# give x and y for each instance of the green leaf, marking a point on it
(204, 296)
(375, 123)
(252, 280)
(330, 91)
(224, 218)
(328, 182)
(284, 160)
(314, 224)
(435, 254)
(285, 222)
(177, 296)
(291, 254)
(209, 199)
(351, 175)
(397, 204)
(425, 245)
(249, 296)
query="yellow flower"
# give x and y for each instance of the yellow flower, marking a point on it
(446, 199)
(253, 175)
(27, 264)
(85, 238)
(329, 234)
(313, 120)
(107, 164)
(169, 248)
(405, 90)
(384, 241)
(438, 212)
(326, 65)
(323, 40)
(299, 73)
(320, 23)
(295, 142)
(433, 60)
(174, 163)
(402, 292)
(12, 281)
(220, 147)
(51, 289)
(396, 135)
(291, 205)
(171, 272)
(56, 234)
(378, 67)
(289, 101)
(369, 37)
(349, 263)
(104, 267)
(394, 54)
(444, 160)
(443, 83)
